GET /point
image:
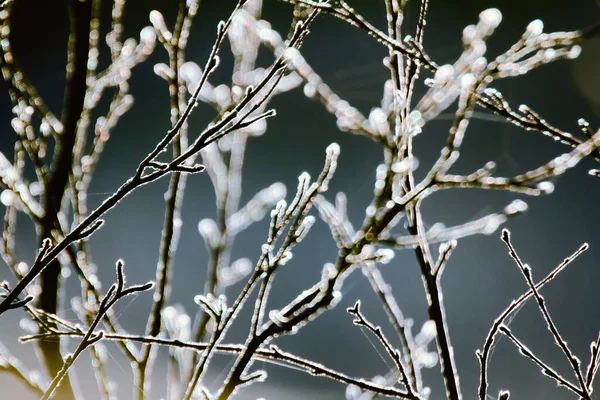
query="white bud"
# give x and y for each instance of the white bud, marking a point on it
(491, 17)
(148, 36)
(546, 187)
(534, 28)
(517, 206)
(444, 73)
(191, 73)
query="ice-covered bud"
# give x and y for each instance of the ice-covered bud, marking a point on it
(407, 164)
(535, 28)
(279, 210)
(310, 90)
(163, 70)
(275, 192)
(304, 227)
(241, 266)
(191, 73)
(28, 326)
(469, 34)
(444, 74)
(384, 256)
(209, 231)
(491, 17)
(546, 187)
(479, 65)
(7, 198)
(222, 95)
(303, 183)
(238, 270)
(353, 392)
(158, 22)
(147, 37)
(290, 55)
(333, 150)
(516, 207)
(378, 121)
(428, 331)
(285, 257)
(574, 52)
(468, 81)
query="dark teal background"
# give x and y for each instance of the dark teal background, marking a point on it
(480, 279)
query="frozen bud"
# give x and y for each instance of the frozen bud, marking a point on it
(18, 125)
(329, 271)
(491, 17)
(276, 317)
(427, 359)
(377, 116)
(574, 52)
(407, 164)
(163, 70)
(429, 82)
(45, 128)
(303, 182)
(209, 231)
(492, 223)
(546, 187)
(479, 65)
(333, 150)
(444, 74)
(158, 22)
(265, 248)
(310, 90)
(279, 210)
(242, 266)
(191, 73)
(583, 123)
(35, 188)
(156, 18)
(353, 392)
(468, 81)
(304, 227)
(148, 36)
(237, 271)
(170, 312)
(428, 331)
(222, 95)
(275, 192)
(384, 256)
(266, 34)
(291, 55)
(469, 34)
(380, 380)
(7, 198)
(548, 55)
(517, 206)
(478, 48)
(285, 257)
(28, 326)
(23, 268)
(416, 118)
(534, 28)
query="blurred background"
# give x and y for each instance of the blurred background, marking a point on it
(480, 280)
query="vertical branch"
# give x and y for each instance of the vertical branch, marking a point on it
(77, 68)
(174, 195)
(437, 313)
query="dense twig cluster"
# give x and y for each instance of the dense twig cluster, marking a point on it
(64, 160)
